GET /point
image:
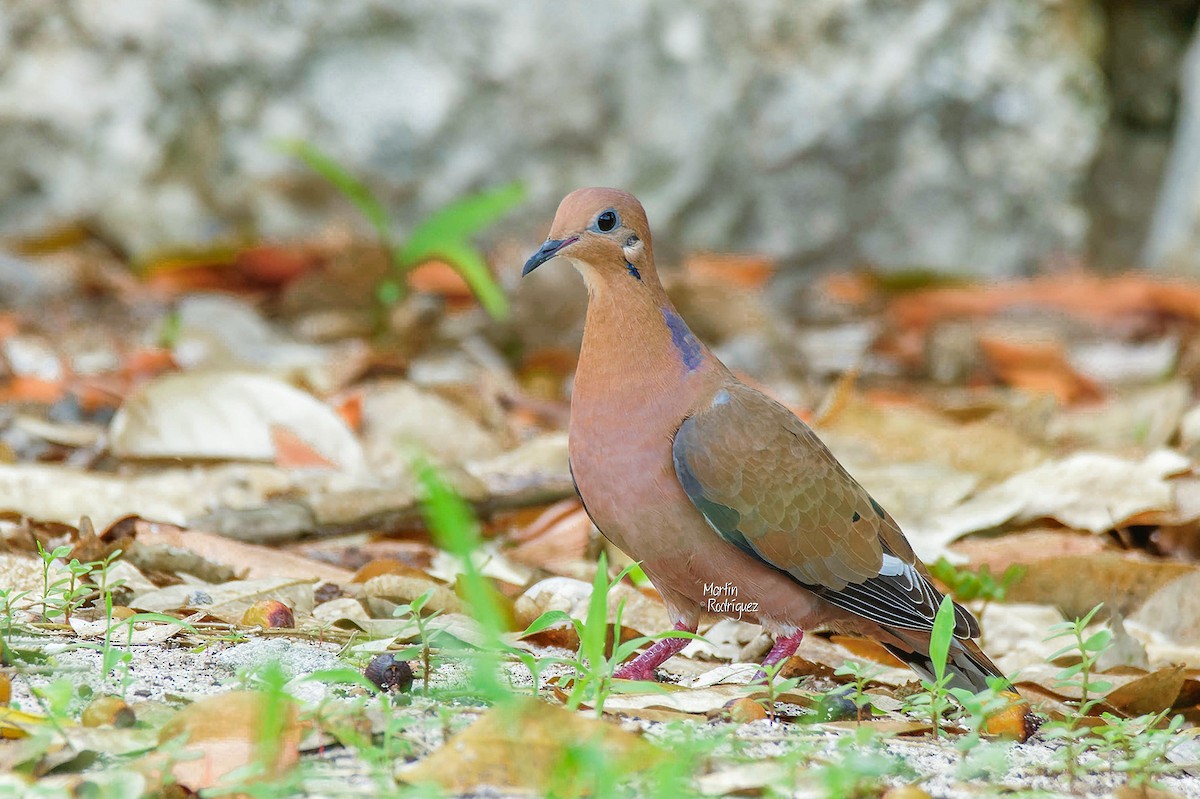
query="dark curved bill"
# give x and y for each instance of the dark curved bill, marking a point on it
(548, 251)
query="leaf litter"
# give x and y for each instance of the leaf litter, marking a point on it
(242, 462)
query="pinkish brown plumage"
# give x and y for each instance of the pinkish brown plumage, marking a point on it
(708, 482)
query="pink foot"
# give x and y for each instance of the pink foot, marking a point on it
(642, 667)
(784, 648)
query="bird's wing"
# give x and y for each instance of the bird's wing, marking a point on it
(768, 485)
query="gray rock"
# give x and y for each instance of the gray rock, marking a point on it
(953, 134)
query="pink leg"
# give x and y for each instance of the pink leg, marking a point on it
(784, 648)
(642, 667)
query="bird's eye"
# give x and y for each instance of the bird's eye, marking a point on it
(606, 221)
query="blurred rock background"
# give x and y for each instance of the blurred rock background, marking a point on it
(982, 136)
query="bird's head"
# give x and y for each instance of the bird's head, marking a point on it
(604, 233)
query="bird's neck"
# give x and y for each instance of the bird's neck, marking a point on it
(637, 348)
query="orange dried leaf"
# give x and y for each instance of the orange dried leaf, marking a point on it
(735, 271)
(293, 452)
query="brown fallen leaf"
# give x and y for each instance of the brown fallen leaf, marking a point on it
(870, 431)
(559, 536)
(1038, 367)
(641, 615)
(229, 601)
(1091, 491)
(1076, 584)
(867, 649)
(1151, 693)
(1168, 622)
(227, 732)
(384, 592)
(884, 726)
(525, 744)
(251, 561)
(228, 416)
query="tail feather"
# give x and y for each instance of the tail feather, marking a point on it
(968, 666)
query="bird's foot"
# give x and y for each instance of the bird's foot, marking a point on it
(783, 649)
(642, 667)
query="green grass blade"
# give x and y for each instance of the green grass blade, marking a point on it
(595, 626)
(459, 221)
(940, 637)
(470, 263)
(354, 189)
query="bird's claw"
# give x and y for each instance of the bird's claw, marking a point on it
(631, 671)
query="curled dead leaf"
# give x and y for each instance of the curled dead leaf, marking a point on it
(227, 732)
(524, 744)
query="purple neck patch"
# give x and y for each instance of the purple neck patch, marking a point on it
(688, 345)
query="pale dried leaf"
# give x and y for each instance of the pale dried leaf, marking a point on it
(1086, 491)
(223, 733)
(251, 560)
(523, 744)
(641, 614)
(124, 634)
(229, 601)
(228, 416)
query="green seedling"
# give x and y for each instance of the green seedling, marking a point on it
(935, 699)
(967, 586)
(1081, 676)
(415, 609)
(860, 674)
(455, 530)
(445, 235)
(772, 689)
(593, 667)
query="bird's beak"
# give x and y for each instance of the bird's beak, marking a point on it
(550, 249)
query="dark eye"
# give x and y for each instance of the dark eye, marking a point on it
(606, 221)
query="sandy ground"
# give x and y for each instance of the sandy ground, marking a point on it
(170, 673)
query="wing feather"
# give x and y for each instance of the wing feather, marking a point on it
(765, 483)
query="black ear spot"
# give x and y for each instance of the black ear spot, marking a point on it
(632, 240)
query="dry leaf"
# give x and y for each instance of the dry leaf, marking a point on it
(556, 538)
(1168, 622)
(1151, 693)
(1086, 491)
(864, 433)
(384, 592)
(229, 601)
(224, 733)
(251, 560)
(1038, 366)
(523, 744)
(641, 615)
(140, 633)
(228, 416)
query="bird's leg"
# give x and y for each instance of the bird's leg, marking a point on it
(642, 667)
(785, 647)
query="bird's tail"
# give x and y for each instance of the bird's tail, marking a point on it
(968, 666)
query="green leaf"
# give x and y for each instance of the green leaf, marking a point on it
(940, 637)
(1086, 620)
(455, 530)
(595, 625)
(1098, 641)
(459, 220)
(470, 263)
(354, 190)
(550, 618)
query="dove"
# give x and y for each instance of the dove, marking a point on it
(730, 503)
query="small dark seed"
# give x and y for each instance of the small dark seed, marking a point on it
(326, 592)
(389, 674)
